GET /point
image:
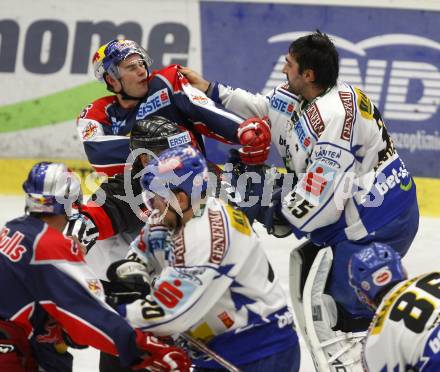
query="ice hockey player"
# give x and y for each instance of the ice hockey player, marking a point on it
(51, 297)
(124, 66)
(115, 214)
(213, 280)
(352, 188)
(116, 222)
(405, 332)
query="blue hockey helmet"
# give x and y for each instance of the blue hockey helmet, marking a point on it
(51, 188)
(180, 168)
(372, 268)
(108, 57)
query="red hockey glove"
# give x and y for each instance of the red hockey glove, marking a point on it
(254, 135)
(160, 356)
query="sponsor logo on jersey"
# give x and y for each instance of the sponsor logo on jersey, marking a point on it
(364, 104)
(218, 236)
(154, 103)
(328, 156)
(172, 291)
(226, 319)
(347, 103)
(179, 139)
(316, 183)
(191, 273)
(10, 247)
(89, 131)
(281, 105)
(179, 248)
(315, 119)
(303, 138)
(141, 243)
(399, 177)
(201, 100)
(94, 286)
(238, 220)
(284, 319)
(168, 293)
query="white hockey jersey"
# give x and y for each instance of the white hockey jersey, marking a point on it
(405, 333)
(220, 286)
(351, 180)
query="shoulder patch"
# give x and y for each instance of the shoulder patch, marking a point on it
(90, 130)
(364, 104)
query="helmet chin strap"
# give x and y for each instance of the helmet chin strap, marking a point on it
(179, 217)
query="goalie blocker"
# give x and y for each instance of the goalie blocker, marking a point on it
(324, 327)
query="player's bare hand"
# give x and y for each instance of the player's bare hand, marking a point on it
(195, 79)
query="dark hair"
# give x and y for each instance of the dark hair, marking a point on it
(318, 53)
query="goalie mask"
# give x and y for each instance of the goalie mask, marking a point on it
(51, 188)
(374, 268)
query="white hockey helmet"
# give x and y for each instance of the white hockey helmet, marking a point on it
(51, 188)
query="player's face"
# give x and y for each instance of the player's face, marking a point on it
(295, 79)
(167, 215)
(134, 76)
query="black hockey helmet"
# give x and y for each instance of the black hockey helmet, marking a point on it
(157, 133)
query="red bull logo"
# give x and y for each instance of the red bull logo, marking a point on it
(95, 57)
(42, 200)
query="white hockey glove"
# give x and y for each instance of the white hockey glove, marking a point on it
(83, 229)
(129, 281)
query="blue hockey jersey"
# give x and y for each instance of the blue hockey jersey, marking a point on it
(43, 273)
(104, 126)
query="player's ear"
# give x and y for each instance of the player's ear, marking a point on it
(183, 199)
(113, 83)
(309, 75)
